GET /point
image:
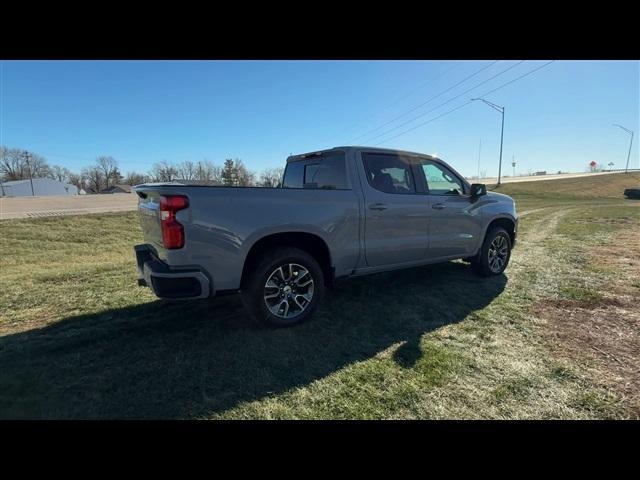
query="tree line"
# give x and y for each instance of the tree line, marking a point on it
(104, 172)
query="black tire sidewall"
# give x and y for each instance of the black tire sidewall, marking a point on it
(483, 261)
(253, 297)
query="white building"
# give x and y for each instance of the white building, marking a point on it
(41, 187)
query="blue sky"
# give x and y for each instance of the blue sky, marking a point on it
(140, 112)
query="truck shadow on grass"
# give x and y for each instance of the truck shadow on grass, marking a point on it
(185, 360)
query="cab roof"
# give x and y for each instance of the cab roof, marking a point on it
(345, 148)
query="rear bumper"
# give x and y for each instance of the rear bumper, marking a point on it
(165, 282)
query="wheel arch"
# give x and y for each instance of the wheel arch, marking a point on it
(506, 222)
(310, 243)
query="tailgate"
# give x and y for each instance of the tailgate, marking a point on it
(149, 210)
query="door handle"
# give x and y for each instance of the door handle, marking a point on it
(438, 206)
(378, 206)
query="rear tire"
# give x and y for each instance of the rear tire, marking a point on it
(494, 254)
(284, 287)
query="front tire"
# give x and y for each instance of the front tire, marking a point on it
(284, 288)
(494, 255)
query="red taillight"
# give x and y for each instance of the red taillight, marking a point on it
(172, 230)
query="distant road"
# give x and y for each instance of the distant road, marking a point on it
(535, 178)
(25, 207)
(51, 206)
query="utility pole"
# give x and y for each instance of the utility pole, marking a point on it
(479, 150)
(626, 170)
(27, 157)
(513, 164)
(501, 110)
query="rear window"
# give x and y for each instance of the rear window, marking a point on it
(293, 175)
(325, 172)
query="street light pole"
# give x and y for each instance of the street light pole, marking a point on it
(501, 137)
(501, 110)
(479, 151)
(626, 170)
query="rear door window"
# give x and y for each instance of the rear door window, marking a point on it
(389, 173)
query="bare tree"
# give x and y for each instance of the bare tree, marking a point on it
(39, 167)
(233, 173)
(12, 165)
(109, 167)
(163, 172)
(94, 177)
(116, 176)
(206, 171)
(79, 180)
(61, 174)
(216, 174)
(271, 177)
(187, 170)
(244, 178)
(134, 178)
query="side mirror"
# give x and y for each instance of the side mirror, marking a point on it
(478, 189)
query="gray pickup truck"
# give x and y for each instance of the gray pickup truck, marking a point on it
(339, 213)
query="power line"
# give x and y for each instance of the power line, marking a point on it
(440, 75)
(431, 80)
(424, 123)
(448, 101)
(465, 104)
(515, 79)
(455, 65)
(425, 102)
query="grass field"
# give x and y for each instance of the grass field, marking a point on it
(556, 337)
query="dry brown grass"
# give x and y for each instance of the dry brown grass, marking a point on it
(603, 334)
(605, 186)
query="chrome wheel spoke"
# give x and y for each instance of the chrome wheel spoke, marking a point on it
(302, 273)
(307, 296)
(289, 290)
(301, 305)
(290, 273)
(498, 253)
(286, 307)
